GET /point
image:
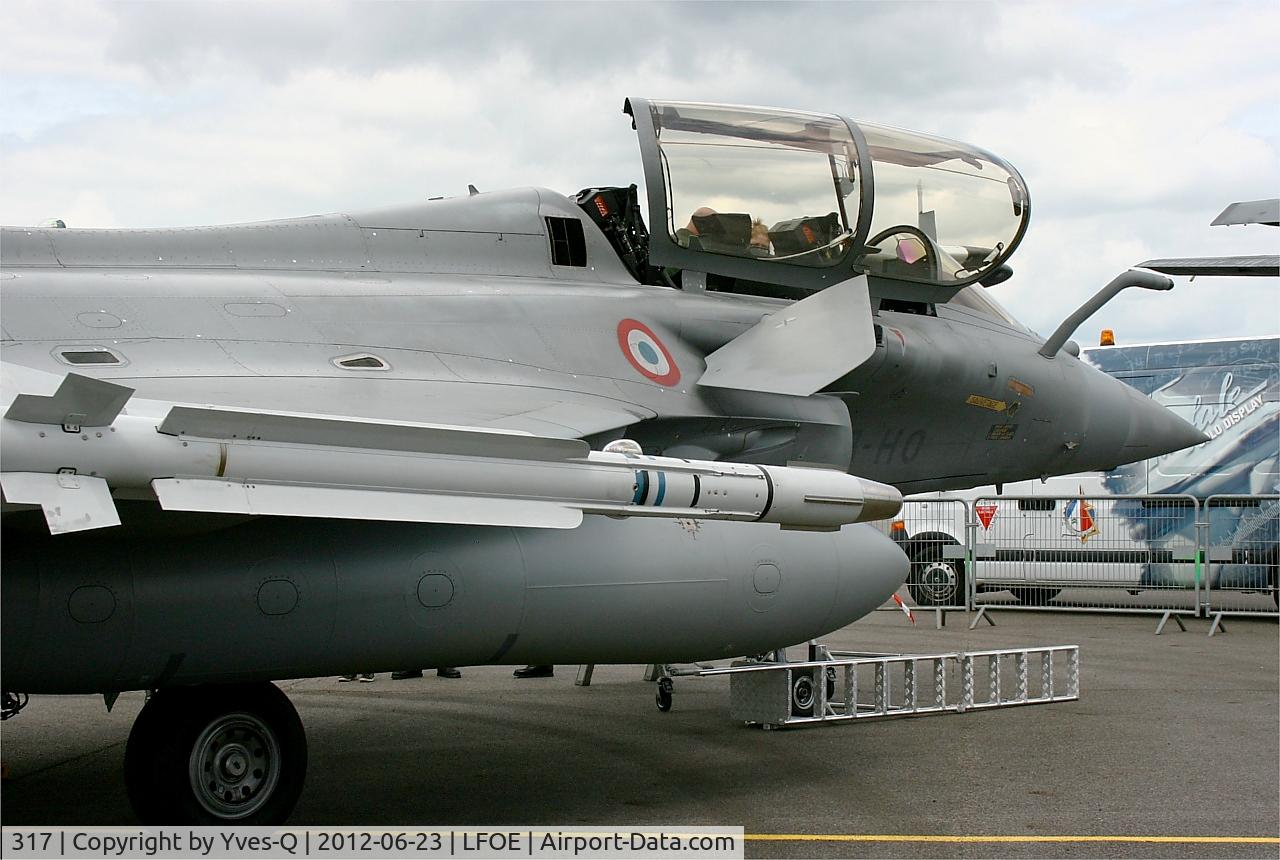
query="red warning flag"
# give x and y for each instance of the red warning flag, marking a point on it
(905, 608)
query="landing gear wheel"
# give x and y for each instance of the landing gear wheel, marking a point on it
(934, 580)
(663, 696)
(1034, 595)
(216, 755)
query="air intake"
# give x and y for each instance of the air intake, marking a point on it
(568, 244)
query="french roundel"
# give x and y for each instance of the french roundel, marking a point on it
(646, 353)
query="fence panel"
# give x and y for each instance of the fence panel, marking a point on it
(1242, 537)
(935, 537)
(1087, 553)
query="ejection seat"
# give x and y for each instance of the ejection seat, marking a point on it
(721, 232)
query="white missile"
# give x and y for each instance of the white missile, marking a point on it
(213, 459)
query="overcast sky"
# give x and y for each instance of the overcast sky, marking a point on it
(1133, 124)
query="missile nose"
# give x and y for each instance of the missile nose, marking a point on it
(826, 498)
(879, 501)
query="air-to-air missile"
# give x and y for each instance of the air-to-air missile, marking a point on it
(221, 460)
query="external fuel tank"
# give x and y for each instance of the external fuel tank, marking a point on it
(217, 598)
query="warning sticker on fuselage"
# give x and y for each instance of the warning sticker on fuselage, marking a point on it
(1021, 387)
(986, 402)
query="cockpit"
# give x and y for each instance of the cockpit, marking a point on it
(765, 196)
(753, 183)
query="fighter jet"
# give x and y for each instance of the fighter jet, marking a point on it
(511, 427)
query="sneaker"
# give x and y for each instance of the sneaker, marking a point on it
(367, 678)
(449, 672)
(345, 678)
(410, 673)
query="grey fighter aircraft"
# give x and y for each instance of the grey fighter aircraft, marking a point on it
(512, 427)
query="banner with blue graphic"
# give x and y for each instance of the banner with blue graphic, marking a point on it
(1230, 389)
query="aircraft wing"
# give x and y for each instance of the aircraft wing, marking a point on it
(557, 413)
(1250, 212)
(562, 414)
(1258, 266)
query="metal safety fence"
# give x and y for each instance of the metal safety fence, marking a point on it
(1241, 535)
(1168, 555)
(1088, 553)
(934, 533)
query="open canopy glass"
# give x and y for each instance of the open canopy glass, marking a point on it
(759, 183)
(802, 192)
(943, 211)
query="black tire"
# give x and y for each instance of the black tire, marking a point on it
(934, 580)
(662, 698)
(216, 755)
(804, 693)
(140, 761)
(1034, 595)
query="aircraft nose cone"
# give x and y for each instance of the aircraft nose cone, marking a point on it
(1156, 430)
(1122, 425)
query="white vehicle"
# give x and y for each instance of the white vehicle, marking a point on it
(1036, 537)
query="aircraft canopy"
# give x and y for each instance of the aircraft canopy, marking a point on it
(809, 198)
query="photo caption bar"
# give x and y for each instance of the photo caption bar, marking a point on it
(269, 843)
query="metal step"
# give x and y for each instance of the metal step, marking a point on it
(775, 693)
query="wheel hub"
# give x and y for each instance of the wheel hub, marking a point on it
(234, 765)
(232, 762)
(802, 693)
(938, 579)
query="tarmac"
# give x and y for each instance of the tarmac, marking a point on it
(1175, 740)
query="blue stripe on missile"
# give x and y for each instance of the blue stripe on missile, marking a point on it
(642, 487)
(662, 489)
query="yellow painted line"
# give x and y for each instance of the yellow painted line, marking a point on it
(899, 837)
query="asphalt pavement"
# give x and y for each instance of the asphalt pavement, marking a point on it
(1175, 736)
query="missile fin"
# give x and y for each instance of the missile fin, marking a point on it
(262, 426)
(80, 401)
(71, 503)
(358, 503)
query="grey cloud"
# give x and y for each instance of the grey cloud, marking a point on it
(237, 112)
(853, 57)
